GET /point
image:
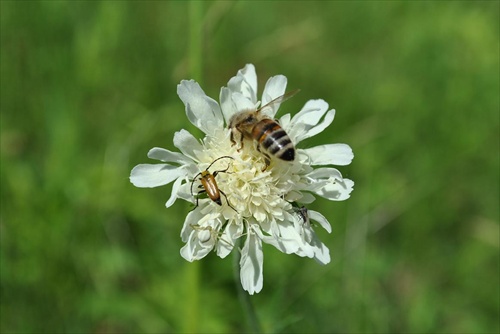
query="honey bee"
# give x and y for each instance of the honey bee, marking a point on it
(209, 184)
(271, 139)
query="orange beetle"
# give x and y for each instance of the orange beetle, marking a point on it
(209, 184)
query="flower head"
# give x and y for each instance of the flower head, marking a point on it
(251, 193)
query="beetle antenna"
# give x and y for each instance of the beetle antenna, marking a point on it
(194, 179)
(224, 156)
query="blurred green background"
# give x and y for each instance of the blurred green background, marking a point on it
(87, 88)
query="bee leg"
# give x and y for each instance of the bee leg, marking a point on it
(267, 159)
(241, 144)
(231, 137)
(227, 201)
(241, 140)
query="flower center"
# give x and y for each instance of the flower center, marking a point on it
(251, 188)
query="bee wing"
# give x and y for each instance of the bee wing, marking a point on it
(278, 100)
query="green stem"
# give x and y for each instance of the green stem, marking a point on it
(192, 285)
(192, 273)
(243, 296)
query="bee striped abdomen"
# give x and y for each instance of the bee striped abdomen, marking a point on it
(274, 139)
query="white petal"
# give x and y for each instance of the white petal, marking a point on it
(337, 191)
(320, 177)
(312, 247)
(195, 249)
(285, 124)
(289, 240)
(228, 238)
(283, 236)
(318, 217)
(251, 263)
(329, 183)
(322, 253)
(306, 251)
(242, 103)
(227, 104)
(187, 143)
(330, 154)
(150, 176)
(330, 115)
(306, 233)
(197, 244)
(184, 192)
(325, 173)
(192, 219)
(311, 113)
(201, 110)
(165, 155)
(275, 87)
(305, 123)
(245, 82)
(175, 189)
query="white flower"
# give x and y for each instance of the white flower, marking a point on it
(259, 202)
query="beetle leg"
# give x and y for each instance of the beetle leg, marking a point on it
(227, 201)
(197, 198)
